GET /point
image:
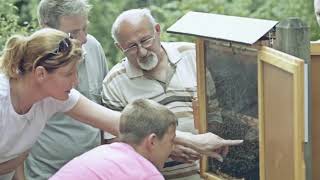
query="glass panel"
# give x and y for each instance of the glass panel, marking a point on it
(232, 107)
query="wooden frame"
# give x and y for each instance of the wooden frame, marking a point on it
(201, 92)
(315, 98)
(281, 147)
(202, 99)
(289, 65)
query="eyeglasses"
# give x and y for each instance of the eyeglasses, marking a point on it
(64, 46)
(75, 34)
(146, 43)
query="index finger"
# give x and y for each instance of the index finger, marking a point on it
(231, 142)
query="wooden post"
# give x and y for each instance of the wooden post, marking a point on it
(292, 37)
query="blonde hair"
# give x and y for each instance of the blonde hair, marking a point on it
(22, 54)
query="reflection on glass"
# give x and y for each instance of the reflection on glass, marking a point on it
(232, 107)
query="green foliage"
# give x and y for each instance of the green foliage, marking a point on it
(101, 19)
(169, 12)
(19, 16)
(8, 21)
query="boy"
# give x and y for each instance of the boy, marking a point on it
(147, 132)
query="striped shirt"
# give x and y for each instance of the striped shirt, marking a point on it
(126, 83)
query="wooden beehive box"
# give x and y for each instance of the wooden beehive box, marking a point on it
(247, 90)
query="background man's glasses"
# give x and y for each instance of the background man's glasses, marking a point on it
(77, 33)
(144, 43)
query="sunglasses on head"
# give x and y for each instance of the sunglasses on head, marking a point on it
(64, 46)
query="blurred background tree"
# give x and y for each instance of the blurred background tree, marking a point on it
(12, 20)
(19, 16)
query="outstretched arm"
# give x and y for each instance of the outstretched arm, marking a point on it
(96, 115)
(101, 117)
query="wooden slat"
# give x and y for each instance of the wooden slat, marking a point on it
(315, 98)
(281, 116)
(201, 91)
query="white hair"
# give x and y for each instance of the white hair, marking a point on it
(132, 15)
(49, 11)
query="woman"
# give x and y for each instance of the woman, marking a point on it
(37, 74)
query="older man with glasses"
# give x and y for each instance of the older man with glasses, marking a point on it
(160, 71)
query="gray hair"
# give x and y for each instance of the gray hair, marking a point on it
(49, 11)
(130, 15)
(143, 117)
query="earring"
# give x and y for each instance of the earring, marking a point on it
(18, 71)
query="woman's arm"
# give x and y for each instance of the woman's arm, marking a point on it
(13, 164)
(96, 115)
(108, 120)
(19, 174)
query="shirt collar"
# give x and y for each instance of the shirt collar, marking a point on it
(174, 56)
(84, 51)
